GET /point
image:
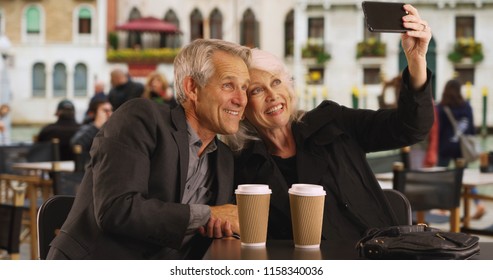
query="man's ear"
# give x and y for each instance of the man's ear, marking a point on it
(191, 88)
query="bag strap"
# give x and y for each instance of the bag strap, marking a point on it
(394, 231)
(450, 117)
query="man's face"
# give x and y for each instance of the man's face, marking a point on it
(220, 104)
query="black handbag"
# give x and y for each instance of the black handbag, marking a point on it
(418, 242)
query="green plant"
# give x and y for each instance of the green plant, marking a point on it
(113, 40)
(317, 51)
(371, 47)
(164, 55)
(466, 47)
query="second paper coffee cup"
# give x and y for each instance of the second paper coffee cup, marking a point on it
(307, 208)
(253, 213)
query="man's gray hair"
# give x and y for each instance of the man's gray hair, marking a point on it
(195, 61)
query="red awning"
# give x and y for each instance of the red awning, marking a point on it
(148, 24)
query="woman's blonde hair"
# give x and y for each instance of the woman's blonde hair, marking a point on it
(150, 78)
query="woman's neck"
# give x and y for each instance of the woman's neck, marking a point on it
(279, 141)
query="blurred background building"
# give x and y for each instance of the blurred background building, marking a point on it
(60, 48)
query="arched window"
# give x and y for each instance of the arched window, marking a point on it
(216, 24)
(134, 38)
(60, 80)
(39, 80)
(171, 40)
(84, 21)
(249, 30)
(33, 20)
(80, 80)
(196, 25)
(289, 34)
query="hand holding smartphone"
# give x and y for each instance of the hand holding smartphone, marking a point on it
(384, 16)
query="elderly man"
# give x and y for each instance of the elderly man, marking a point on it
(156, 173)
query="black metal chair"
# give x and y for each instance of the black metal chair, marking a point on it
(384, 163)
(12, 195)
(13, 153)
(67, 182)
(44, 151)
(427, 190)
(400, 205)
(51, 216)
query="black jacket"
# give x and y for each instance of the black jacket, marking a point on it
(331, 146)
(122, 93)
(63, 129)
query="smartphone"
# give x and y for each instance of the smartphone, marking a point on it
(384, 16)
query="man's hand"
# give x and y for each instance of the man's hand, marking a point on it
(222, 223)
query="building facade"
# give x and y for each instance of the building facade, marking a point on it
(324, 42)
(58, 50)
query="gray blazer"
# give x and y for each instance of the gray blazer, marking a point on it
(127, 206)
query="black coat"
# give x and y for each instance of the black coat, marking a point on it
(331, 146)
(122, 93)
(63, 129)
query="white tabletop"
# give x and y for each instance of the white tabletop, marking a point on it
(67, 166)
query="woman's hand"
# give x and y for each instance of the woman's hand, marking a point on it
(415, 44)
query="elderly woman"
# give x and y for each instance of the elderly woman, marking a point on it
(278, 145)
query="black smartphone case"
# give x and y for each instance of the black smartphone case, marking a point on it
(384, 16)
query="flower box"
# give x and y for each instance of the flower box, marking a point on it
(465, 50)
(315, 50)
(152, 56)
(371, 48)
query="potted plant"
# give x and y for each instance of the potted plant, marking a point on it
(315, 49)
(371, 47)
(466, 48)
(162, 55)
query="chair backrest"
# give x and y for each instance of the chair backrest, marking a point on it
(426, 190)
(12, 195)
(65, 182)
(51, 216)
(44, 151)
(384, 163)
(400, 205)
(13, 153)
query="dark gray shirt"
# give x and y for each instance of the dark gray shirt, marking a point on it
(199, 181)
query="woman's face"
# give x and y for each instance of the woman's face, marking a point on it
(269, 102)
(156, 85)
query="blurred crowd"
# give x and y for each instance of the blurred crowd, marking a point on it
(69, 132)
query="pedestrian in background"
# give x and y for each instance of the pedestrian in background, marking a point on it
(448, 140)
(158, 90)
(123, 88)
(63, 129)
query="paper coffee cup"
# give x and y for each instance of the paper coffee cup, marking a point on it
(307, 209)
(253, 213)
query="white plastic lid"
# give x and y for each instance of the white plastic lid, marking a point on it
(306, 190)
(253, 189)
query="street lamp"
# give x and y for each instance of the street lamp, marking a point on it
(5, 46)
